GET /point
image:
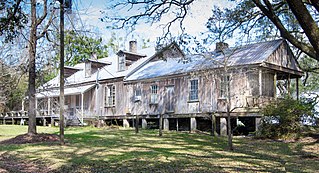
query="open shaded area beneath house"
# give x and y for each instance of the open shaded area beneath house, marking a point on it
(179, 124)
(90, 149)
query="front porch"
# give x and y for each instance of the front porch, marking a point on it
(79, 104)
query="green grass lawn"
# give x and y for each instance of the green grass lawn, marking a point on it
(117, 150)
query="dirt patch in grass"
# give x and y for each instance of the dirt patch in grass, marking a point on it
(32, 138)
(10, 163)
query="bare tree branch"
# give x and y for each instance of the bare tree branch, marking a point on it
(269, 12)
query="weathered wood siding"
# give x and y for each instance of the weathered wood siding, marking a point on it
(121, 95)
(243, 86)
(283, 57)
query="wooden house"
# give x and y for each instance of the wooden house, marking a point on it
(183, 90)
(187, 89)
(93, 89)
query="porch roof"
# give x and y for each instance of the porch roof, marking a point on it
(67, 91)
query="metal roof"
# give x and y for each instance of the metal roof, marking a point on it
(67, 91)
(109, 71)
(244, 55)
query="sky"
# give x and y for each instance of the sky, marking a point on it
(90, 14)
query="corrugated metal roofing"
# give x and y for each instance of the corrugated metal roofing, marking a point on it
(245, 55)
(106, 72)
(67, 91)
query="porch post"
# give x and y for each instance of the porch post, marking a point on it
(260, 82)
(82, 107)
(49, 106)
(297, 88)
(288, 87)
(275, 85)
(97, 105)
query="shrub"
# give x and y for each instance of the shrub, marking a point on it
(282, 118)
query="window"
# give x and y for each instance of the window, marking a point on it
(109, 95)
(193, 92)
(224, 86)
(138, 94)
(154, 94)
(121, 62)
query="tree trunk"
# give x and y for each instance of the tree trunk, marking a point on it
(62, 72)
(229, 131)
(160, 125)
(213, 124)
(136, 123)
(307, 23)
(32, 129)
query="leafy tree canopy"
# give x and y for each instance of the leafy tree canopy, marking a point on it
(12, 18)
(80, 47)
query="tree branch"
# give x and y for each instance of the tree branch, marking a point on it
(45, 12)
(307, 23)
(269, 12)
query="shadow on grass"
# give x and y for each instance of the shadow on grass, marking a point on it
(107, 150)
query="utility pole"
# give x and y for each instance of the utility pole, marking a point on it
(62, 72)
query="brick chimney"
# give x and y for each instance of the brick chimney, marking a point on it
(220, 46)
(133, 46)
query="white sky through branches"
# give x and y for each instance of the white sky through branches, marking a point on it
(195, 22)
